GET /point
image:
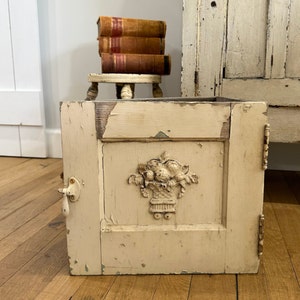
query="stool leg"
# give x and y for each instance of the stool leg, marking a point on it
(118, 90)
(92, 92)
(156, 91)
(125, 90)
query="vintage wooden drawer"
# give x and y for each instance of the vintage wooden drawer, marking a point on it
(164, 186)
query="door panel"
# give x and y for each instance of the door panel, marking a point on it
(278, 22)
(6, 70)
(211, 121)
(201, 228)
(259, 58)
(163, 251)
(21, 97)
(163, 205)
(134, 242)
(141, 243)
(21, 108)
(246, 43)
(200, 204)
(293, 45)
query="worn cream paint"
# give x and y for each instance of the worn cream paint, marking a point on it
(82, 161)
(215, 227)
(247, 50)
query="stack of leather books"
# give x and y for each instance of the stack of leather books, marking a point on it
(132, 46)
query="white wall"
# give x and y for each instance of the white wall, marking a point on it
(69, 49)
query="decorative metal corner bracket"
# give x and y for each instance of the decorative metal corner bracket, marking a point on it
(163, 180)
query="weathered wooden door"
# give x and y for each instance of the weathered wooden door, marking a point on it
(165, 186)
(246, 50)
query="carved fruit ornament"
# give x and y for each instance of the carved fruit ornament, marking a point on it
(163, 180)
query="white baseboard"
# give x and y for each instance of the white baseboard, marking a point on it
(53, 137)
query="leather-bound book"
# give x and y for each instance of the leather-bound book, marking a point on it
(115, 26)
(131, 44)
(136, 63)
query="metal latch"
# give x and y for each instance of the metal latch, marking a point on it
(70, 193)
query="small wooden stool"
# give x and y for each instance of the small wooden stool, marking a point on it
(125, 84)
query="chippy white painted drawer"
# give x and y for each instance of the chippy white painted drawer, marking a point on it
(164, 186)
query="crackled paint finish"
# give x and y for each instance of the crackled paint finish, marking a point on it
(215, 226)
(229, 51)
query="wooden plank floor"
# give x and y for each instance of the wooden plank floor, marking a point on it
(33, 253)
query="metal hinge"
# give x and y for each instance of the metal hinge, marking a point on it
(266, 146)
(261, 233)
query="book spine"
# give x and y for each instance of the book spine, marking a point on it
(129, 44)
(115, 26)
(136, 63)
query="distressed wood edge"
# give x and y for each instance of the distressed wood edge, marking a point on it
(250, 173)
(190, 36)
(80, 153)
(276, 92)
(214, 100)
(102, 113)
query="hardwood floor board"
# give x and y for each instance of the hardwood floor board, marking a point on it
(31, 191)
(25, 232)
(129, 287)
(296, 265)
(172, 287)
(29, 211)
(280, 277)
(10, 162)
(212, 287)
(25, 252)
(97, 287)
(34, 262)
(31, 181)
(288, 217)
(253, 286)
(22, 171)
(63, 286)
(32, 278)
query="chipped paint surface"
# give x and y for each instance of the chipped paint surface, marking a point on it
(246, 50)
(161, 135)
(86, 267)
(159, 119)
(117, 234)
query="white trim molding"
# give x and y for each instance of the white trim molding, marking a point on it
(53, 137)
